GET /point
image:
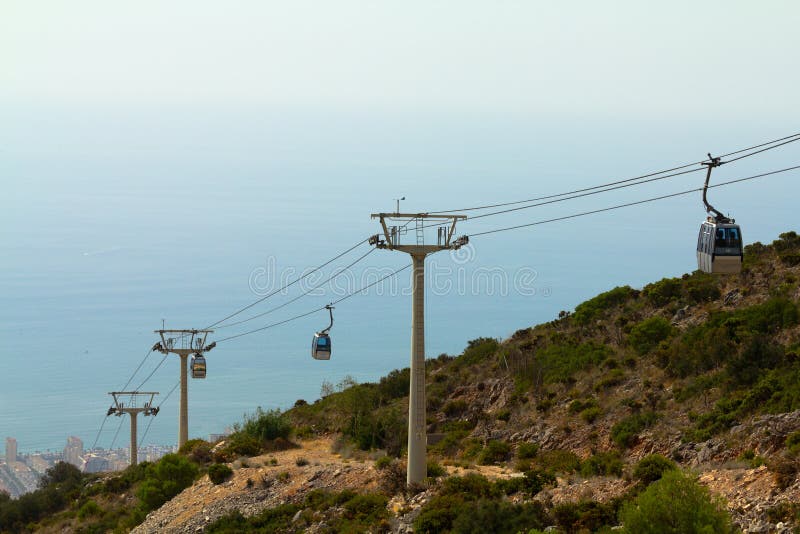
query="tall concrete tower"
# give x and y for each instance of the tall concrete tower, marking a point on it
(11, 450)
(73, 452)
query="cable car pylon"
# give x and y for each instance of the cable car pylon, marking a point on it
(192, 342)
(119, 408)
(417, 427)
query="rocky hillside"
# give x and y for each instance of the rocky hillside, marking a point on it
(586, 423)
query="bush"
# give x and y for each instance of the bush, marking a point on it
(478, 350)
(526, 451)
(219, 473)
(702, 287)
(455, 407)
(300, 461)
(627, 430)
(652, 468)
(266, 425)
(383, 462)
(584, 516)
(675, 504)
(579, 405)
(646, 335)
(500, 516)
(165, 479)
(590, 415)
(793, 442)
(241, 444)
(198, 450)
(602, 464)
(89, 508)
(435, 470)
(601, 304)
(784, 470)
(559, 461)
(663, 292)
(494, 452)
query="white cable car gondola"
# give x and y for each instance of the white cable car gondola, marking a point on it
(321, 344)
(719, 243)
(198, 366)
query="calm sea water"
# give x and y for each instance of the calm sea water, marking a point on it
(114, 221)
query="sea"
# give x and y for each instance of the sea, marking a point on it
(117, 222)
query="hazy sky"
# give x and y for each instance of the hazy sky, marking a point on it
(624, 58)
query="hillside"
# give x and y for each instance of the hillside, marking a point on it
(569, 424)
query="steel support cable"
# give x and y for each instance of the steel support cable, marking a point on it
(337, 301)
(137, 369)
(628, 204)
(153, 372)
(97, 437)
(580, 195)
(782, 141)
(615, 187)
(301, 295)
(286, 286)
(113, 441)
(150, 422)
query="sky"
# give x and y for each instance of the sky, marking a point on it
(155, 154)
(709, 59)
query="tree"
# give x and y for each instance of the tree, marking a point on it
(676, 504)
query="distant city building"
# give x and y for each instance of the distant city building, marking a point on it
(73, 452)
(95, 464)
(11, 450)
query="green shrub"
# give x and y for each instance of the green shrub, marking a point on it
(478, 350)
(652, 467)
(612, 378)
(664, 291)
(500, 516)
(646, 335)
(471, 486)
(165, 479)
(198, 450)
(503, 415)
(383, 462)
(494, 452)
(675, 504)
(435, 470)
(602, 464)
(88, 509)
(559, 461)
(793, 442)
(455, 407)
(266, 425)
(559, 362)
(276, 519)
(579, 405)
(526, 451)
(584, 516)
(241, 444)
(600, 305)
(625, 432)
(219, 473)
(590, 415)
(702, 287)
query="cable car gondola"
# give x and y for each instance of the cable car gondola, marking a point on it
(719, 243)
(198, 366)
(321, 344)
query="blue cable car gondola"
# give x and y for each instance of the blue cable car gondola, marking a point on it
(719, 243)
(321, 344)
